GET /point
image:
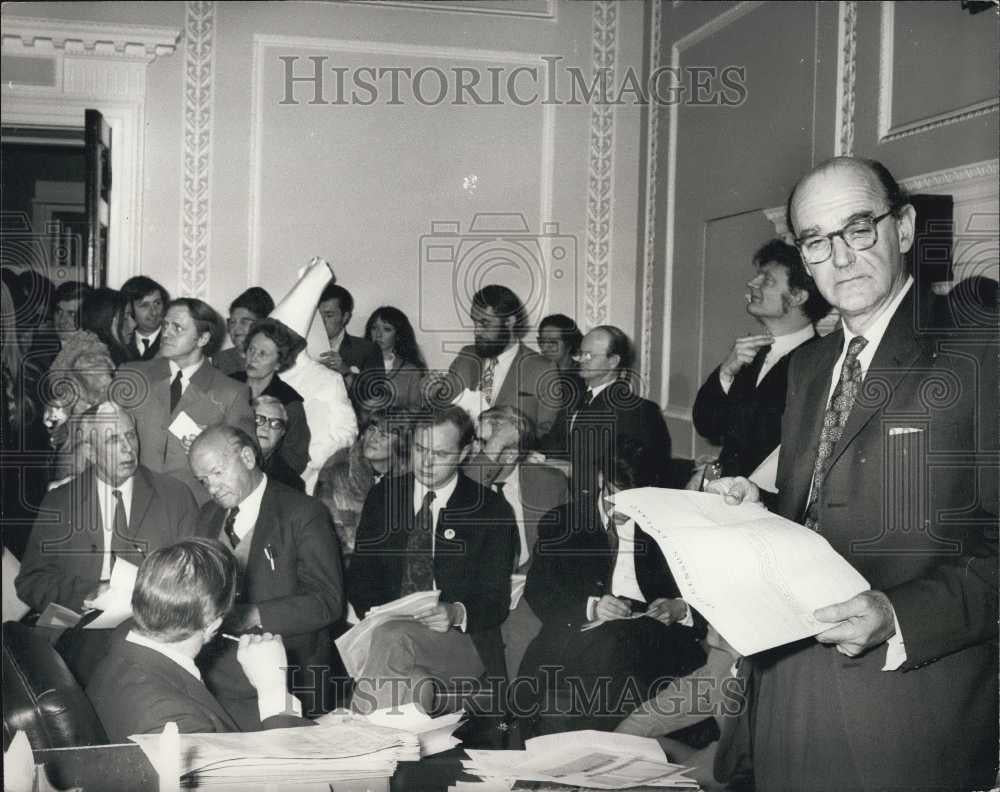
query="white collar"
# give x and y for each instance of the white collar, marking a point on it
(151, 337)
(505, 357)
(441, 495)
(188, 371)
(783, 344)
(166, 650)
(250, 509)
(594, 392)
(874, 332)
(338, 339)
(105, 488)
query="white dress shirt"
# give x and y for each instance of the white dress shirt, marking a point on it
(512, 494)
(186, 372)
(149, 339)
(106, 499)
(441, 497)
(504, 361)
(783, 345)
(249, 511)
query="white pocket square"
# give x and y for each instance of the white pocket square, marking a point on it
(902, 430)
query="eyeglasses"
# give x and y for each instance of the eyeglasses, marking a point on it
(274, 423)
(859, 234)
(583, 357)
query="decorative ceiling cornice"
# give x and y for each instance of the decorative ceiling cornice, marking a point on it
(93, 38)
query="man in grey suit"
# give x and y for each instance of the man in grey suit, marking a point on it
(532, 490)
(889, 450)
(179, 393)
(502, 368)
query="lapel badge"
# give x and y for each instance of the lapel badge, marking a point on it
(449, 533)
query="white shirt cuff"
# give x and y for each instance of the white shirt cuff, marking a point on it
(592, 608)
(278, 702)
(726, 382)
(688, 620)
(463, 623)
(895, 653)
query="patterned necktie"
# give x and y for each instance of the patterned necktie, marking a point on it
(120, 523)
(418, 572)
(175, 391)
(833, 424)
(486, 383)
(228, 526)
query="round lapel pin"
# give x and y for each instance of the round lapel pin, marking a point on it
(449, 533)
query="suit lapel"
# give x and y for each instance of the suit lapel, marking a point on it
(196, 390)
(267, 520)
(509, 387)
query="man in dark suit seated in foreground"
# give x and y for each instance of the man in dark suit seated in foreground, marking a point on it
(290, 574)
(613, 625)
(182, 593)
(431, 529)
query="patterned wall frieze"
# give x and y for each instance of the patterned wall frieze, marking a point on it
(600, 181)
(847, 42)
(652, 156)
(199, 69)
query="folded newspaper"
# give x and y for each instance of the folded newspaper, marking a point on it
(354, 644)
(593, 759)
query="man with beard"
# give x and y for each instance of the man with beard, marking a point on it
(500, 367)
(741, 403)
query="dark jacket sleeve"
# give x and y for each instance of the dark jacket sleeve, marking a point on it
(489, 603)
(559, 582)
(368, 578)
(319, 594)
(294, 447)
(711, 410)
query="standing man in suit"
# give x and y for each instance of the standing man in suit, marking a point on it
(608, 411)
(532, 490)
(182, 381)
(149, 301)
(431, 529)
(182, 593)
(290, 573)
(740, 405)
(251, 306)
(889, 450)
(115, 509)
(500, 367)
(613, 624)
(349, 355)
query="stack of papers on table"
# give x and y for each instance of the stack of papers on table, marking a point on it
(278, 758)
(594, 759)
(435, 734)
(354, 644)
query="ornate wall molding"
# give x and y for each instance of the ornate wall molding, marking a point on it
(847, 45)
(652, 156)
(546, 10)
(887, 131)
(93, 38)
(196, 187)
(600, 180)
(963, 180)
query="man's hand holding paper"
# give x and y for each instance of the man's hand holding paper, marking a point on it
(865, 621)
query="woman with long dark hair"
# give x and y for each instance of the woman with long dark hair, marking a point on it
(397, 385)
(108, 314)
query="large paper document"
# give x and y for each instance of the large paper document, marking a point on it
(354, 644)
(754, 575)
(115, 604)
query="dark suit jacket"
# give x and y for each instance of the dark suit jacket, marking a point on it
(301, 597)
(138, 690)
(473, 567)
(210, 398)
(395, 388)
(294, 446)
(573, 561)
(531, 385)
(360, 353)
(587, 433)
(63, 561)
(910, 500)
(135, 348)
(746, 422)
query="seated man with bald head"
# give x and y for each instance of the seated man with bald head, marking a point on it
(182, 594)
(290, 580)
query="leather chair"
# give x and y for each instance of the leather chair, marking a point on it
(40, 695)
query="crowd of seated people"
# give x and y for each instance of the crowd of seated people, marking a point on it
(238, 483)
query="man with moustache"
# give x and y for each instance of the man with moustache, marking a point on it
(889, 450)
(740, 405)
(500, 367)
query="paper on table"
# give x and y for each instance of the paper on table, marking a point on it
(116, 602)
(435, 734)
(184, 426)
(754, 575)
(353, 645)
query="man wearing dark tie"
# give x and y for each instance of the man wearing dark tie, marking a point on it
(741, 403)
(433, 529)
(290, 573)
(500, 367)
(149, 301)
(179, 393)
(608, 411)
(889, 450)
(115, 509)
